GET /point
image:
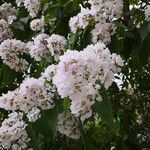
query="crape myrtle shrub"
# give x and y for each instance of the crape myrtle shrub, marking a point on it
(74, 74)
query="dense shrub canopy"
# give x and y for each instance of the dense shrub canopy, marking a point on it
(75, 74)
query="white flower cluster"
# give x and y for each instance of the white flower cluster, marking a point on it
(107, 9)
(103, 12)
(7, 15)
(13, 133)
(47, 77)
(37, 24)
(48, 73)
(30, 97)
(9, 51)
(44, 46)
(68, 125)
(82, 20)
(38, 48)
(147, 13)
(8, 12)
(35, 95)
(32, 6)
(102, 32)
(9, 101)
(56, 45)
(5, 32)
(78, 75)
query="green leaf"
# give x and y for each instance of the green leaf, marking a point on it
(32, 134)
(71, 7)
(7, 76)
(47, 124)
(24, 20)
(66, 103)
(73, 37)
(144, 52)
(145, 29)
(86, 36)
(18, 25)
(104, 108)
(129, 35)
(121, 25)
